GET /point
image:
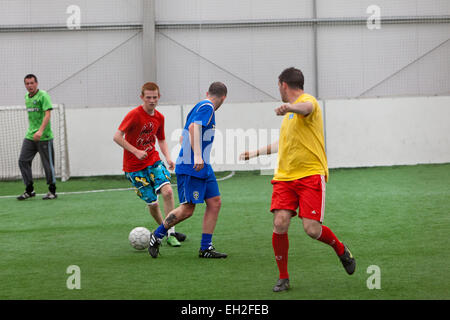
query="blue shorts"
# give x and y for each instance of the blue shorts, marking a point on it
(196, 190)
(148, 182)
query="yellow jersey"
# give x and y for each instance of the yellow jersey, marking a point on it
(301, 148)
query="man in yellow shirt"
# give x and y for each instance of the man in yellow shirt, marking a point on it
(301, 174)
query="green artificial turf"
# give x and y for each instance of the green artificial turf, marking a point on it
(396, 218)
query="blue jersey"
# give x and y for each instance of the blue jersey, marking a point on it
(202, 113)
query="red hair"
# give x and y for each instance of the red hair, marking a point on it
(151, 86)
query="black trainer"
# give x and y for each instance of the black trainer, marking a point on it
(50, 196)
(282, 285)
(211, 253)
(153, 247)
(348, 261)
(26, 195)
(180, 236)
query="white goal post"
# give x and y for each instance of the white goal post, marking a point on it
(13, 127)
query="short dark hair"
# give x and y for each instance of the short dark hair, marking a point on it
(293, 77)
(29, 76)
(218, 89)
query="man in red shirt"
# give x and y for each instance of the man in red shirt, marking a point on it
(142, 165)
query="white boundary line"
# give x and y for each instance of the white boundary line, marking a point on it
(109, 190)
(227, 177)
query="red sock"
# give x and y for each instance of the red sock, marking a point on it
(329, 238)
(280, 243)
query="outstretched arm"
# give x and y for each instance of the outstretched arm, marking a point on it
(271, 148)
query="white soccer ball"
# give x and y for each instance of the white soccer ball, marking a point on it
(139, 238)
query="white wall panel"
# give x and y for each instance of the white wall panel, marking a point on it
(388, 131)
(240, 127)
(90, 131)
(359, 133)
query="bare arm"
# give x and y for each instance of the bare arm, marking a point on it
(303, 108)
(37, 136)
(165, 151)
(195, 136)
(120, 140)
(271, 148)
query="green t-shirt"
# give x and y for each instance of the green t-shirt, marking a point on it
(36, 107)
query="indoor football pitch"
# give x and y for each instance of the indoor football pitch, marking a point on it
(395, 220)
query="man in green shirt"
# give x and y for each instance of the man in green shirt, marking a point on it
(39, 138)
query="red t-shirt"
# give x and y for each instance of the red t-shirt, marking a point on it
(140, 130)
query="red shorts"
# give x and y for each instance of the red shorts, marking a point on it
(307, 193)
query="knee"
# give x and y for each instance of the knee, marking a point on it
(167, 193)
(312, 230)
(213, 205)
(281, 224)
(217, 202)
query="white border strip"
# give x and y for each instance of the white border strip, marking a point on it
(109, 190)
(322, 209)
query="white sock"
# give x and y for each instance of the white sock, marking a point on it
(170, 231)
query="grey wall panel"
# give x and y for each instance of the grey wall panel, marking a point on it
(196, 10)
(104, 67)
(428, 76)
(22, 12)
(250, 59)
(89, 68)
(353, 8)
(353, 59)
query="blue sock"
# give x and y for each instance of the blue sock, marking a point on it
(206, 241)
(161, 231)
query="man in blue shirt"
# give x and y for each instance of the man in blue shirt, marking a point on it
(196, 181)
